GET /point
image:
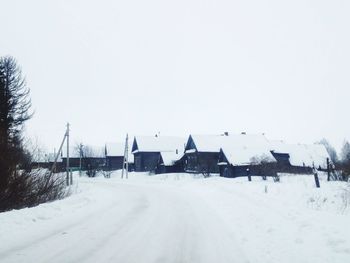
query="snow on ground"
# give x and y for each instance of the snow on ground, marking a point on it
(183, 218)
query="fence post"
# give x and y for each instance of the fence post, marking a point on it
(317, 181)
(249, 176)
(328, 171)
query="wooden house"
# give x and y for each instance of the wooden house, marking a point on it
(202, 153)
(153, 152)
(243, 154)
(114, 153)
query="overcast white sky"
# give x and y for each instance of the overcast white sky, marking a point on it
(180, 67)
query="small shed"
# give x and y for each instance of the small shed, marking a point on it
(299, 158)
(202, 153)
(147, 152)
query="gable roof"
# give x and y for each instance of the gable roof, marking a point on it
(158, 144)
(303, 154)
(207, 143)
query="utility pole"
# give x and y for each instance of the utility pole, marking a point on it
(80, 156)
(67, 168)
(58, 153)
(125, 159)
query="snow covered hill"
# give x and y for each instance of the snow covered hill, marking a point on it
(183, 218)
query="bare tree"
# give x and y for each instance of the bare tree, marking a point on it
(330, 149)
(345, 151)
(345, 160)
(90, 158)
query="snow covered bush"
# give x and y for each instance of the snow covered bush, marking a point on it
(106, 173)
(276, 178)
(27, 189)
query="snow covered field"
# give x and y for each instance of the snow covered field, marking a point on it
(182, 218)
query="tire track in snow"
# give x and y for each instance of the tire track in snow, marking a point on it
(56, 240)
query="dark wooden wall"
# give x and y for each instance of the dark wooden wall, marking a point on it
(177, 167)
(269, 169)
(114, 162)
(284, 166)
(202, 162)
(146, 161)
(254, 170)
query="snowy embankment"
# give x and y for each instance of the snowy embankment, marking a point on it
(182, 218)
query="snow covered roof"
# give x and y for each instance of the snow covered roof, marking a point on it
(209, 143)
(117, 149)
(244, 149)
(159, 144)
(169, 158)
(239, 149)
(303, 154)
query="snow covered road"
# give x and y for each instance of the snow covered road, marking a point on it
(176, 218)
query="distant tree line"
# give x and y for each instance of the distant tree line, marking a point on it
(19, 185)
